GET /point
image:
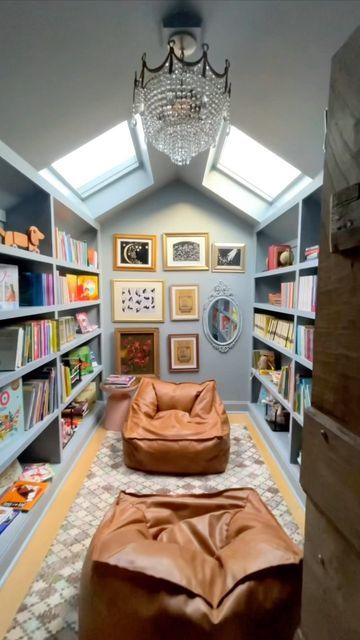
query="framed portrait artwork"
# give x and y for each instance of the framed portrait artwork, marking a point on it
(137, 300)
(184, 302)
(185, 251)
(134, 252)
(137, 352)
(183, 352)
(228, 256)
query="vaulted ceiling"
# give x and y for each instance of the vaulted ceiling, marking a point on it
(67, 67)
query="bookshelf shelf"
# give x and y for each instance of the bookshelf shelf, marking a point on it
(75, 268)
(82, 385)
(270, 386)
(81, 339)
(40, 202)
(296, 224)
(21, 441)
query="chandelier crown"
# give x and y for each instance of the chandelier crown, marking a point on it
(182, 103)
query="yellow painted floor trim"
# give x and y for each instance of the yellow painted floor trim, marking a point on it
(19, 581)
(297, 511)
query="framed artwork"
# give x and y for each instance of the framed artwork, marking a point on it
(184, 302)
(185, 251)
(134, 252)
(138, 300)
(183, 352)
(137, 352)
(228, 256)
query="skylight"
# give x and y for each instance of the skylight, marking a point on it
(98, 162)
(256, 167)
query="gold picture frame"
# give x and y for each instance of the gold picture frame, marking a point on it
(184, 302)
(228, 256)
(183, 352)
(138, 300)
(137, 351)
(185, 251)
(134, 252)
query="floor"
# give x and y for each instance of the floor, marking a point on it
(18, 583)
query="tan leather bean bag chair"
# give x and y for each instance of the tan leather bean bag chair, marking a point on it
(190, 567)
(177, 428)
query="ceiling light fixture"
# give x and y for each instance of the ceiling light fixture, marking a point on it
(182, 104)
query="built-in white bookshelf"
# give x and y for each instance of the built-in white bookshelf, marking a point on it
(26, 199)
(296, 224)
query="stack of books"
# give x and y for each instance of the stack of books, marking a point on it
(312, 252)
(120, 381)
(307, 293)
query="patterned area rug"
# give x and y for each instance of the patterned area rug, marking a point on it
(50, 608)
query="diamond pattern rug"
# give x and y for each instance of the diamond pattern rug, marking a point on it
(50, 608)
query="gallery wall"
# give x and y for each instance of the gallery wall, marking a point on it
(178, 208)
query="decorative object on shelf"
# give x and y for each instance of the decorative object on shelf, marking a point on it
(182, 103)
(184, 302)
(9, 286)
(29, 240)
(286, 258)
(185, 251)
(183, 352)
(134, 252)
(137, 351)
(274, 253)
(222, 321)
(228, 256)
(11, 410)
(87, 287)
(138, 300)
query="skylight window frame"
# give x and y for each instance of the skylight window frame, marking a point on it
(110, 176)
(242, 181)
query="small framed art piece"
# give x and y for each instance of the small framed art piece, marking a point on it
(184, 302)
(138, 300)
(134, 252)
(183, 352)
(228, 256)
(137, 352)
(185, 251)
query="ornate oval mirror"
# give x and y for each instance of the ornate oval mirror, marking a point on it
(222, 320)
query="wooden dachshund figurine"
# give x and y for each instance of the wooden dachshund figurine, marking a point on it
(29, 240)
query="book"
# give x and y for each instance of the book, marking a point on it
(23, 495)
(37, 472)
(71, 280)
(5, 513)
(29, 395)
(84, 323)
(120, 380)
(83, 356)
(11, 346)
(87, 287)
(9, 287)
(11, 410)
(10, 475)
(89, 394)
(10, 517)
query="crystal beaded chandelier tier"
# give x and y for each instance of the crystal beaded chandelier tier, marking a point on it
(182, 104)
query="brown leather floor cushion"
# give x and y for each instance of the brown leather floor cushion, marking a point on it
(190, 567)
(176, 428)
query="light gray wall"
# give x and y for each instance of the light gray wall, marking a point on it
(180, 208)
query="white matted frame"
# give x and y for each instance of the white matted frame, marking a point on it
(184, 302)
(138, 300)
(183, 352)
(185, 251)
(228, 256)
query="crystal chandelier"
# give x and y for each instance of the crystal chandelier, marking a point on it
(182, 104)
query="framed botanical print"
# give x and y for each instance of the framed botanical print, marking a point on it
(138, 300)
(185, 251)
(134, 252)
(183, 352)
(228, 256)
(137, 352)
(184, 302)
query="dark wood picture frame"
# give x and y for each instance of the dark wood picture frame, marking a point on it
(137, 351)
